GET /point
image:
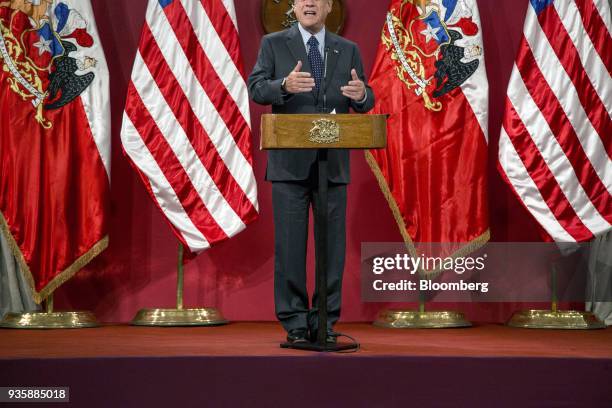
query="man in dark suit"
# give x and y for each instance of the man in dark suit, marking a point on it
(306, 69)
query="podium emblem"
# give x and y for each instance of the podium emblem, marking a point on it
(325, 131)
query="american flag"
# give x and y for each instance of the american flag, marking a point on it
(186, 125)
(555, 147)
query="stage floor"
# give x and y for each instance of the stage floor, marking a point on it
(262, 339)
(242, 365)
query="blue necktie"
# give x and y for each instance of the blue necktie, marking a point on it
(316, 62)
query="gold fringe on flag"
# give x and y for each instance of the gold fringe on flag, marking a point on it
(468, 248)
(63, 276)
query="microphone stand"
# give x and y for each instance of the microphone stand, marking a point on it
(324, 84)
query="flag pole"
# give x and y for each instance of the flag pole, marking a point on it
(49, 303)
(554, 298)
(421, 302)
(180, 279)
(555, 318)
(180, 316)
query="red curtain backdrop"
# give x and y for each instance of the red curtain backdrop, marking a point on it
(139, 267)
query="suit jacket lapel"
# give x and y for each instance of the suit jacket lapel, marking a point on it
(296, 46)
(298, 50)
(333, 54)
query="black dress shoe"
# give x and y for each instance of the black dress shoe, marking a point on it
(297, 336)
(329, 339)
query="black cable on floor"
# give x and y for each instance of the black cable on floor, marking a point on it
(352, 339)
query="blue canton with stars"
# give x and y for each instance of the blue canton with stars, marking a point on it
(540, 5)
(316, 62)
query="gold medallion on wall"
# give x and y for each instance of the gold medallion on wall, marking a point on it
(277, 15)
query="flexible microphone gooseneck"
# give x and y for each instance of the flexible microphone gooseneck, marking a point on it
(324, 87)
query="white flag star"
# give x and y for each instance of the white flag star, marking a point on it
(430, 33)
(43, 46)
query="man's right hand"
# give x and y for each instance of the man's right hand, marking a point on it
(299, 82)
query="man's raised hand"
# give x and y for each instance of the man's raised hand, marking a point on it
(355, 89)
(299, 82)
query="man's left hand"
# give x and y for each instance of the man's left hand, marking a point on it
(355, 89)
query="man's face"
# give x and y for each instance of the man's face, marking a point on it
(312, 13)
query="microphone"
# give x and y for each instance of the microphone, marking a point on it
(325, 62)
(324, 85)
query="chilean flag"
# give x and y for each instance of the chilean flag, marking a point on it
(54, 164)
(433, 171)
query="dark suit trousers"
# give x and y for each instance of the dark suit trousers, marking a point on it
(291, 202)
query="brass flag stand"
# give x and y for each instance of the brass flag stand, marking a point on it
(49, 319)
(180, 316)
(554, 318)
(421, 319)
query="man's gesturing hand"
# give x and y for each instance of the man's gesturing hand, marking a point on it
(299, 82)
(355, 89)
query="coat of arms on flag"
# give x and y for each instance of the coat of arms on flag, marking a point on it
(46, 68)
(429, 76)
(54, 138)
(435, 45)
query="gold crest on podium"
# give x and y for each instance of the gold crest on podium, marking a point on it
(325, 131)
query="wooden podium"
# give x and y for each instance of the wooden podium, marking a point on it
(323, 132)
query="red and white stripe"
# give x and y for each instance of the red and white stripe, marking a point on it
(555, 147)
(186, 125)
